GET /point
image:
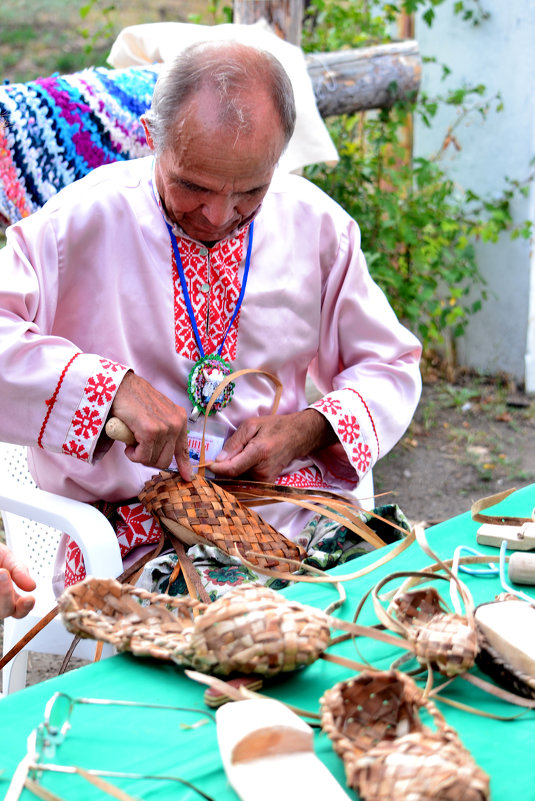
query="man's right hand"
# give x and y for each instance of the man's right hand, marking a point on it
(13, 572)
(159, 426)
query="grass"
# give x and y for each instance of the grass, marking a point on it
(38, 38)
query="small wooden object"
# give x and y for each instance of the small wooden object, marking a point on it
(117, 430)
(268, 752)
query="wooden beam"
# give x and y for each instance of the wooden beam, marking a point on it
(347, 81)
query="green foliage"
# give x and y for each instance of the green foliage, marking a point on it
(418, 227)
(103, 30)
(215, 13)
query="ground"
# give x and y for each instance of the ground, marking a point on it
(471, 437)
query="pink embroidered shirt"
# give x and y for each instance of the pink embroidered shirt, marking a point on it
(89, 289)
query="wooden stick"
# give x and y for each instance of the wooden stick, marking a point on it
(30, 634)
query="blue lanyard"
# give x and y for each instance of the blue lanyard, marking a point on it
(185, 292)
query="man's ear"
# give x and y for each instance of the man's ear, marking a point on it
(148, 136)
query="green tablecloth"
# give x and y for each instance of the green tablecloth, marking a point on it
(158, 742)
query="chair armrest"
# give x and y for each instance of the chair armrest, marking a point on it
(86, 525)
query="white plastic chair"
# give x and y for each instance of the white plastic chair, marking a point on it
(33, 522)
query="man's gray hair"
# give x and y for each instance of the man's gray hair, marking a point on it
(232, 70)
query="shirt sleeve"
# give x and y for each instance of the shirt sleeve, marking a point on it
(54, 395)
(367, 368)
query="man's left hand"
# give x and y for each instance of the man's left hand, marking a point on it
(263, 446)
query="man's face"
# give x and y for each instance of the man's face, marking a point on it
(210, 179)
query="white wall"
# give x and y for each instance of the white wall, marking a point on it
(500, 53)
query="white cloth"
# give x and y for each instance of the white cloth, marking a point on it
(87, 290)
(161, 41)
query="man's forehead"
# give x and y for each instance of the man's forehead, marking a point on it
(220, 159)
(220, 178)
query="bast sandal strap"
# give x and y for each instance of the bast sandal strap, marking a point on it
(497, 520)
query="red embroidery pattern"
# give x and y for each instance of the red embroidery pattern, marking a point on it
(224, 261)
(306, 477)
(51, 401)
(329, 405)
(362, 456)
(369, 415)
(140, 527)
(86, 422)
(113, 366)
(348, 428)
(89, 418)
(75, 449)
(137, 527)
(100, 389)
(74, 564)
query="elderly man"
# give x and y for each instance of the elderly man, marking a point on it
(131, 284)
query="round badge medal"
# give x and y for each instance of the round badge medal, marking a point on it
(204, 378)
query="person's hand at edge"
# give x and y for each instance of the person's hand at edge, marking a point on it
(14, 573)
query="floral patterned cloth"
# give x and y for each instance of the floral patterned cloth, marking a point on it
(326, 543)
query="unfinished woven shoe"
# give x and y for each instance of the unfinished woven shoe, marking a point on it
(251, 629)
(446, 641)
(200, 512)
(373, 722)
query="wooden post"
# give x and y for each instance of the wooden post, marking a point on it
(284, 16)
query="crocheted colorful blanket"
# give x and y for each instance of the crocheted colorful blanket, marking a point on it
(57, 129)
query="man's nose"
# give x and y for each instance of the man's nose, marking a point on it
(218, 210)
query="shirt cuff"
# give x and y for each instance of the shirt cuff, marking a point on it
(351, 419)
(74, 421)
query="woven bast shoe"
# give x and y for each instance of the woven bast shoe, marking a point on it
(200, 512)
(373, 722)
(442, 640)
(251, 629)
(446, 641)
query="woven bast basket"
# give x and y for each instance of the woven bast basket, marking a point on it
(374, 724)
(201, 512)
(251, 629)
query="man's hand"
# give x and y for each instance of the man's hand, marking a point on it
(263, 446)
(158, 425)
(14, 573)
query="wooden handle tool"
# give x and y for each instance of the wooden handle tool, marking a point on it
(116, 429)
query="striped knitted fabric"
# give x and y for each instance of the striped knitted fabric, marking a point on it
(55, 130)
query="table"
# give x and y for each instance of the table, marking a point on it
(158, 742)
